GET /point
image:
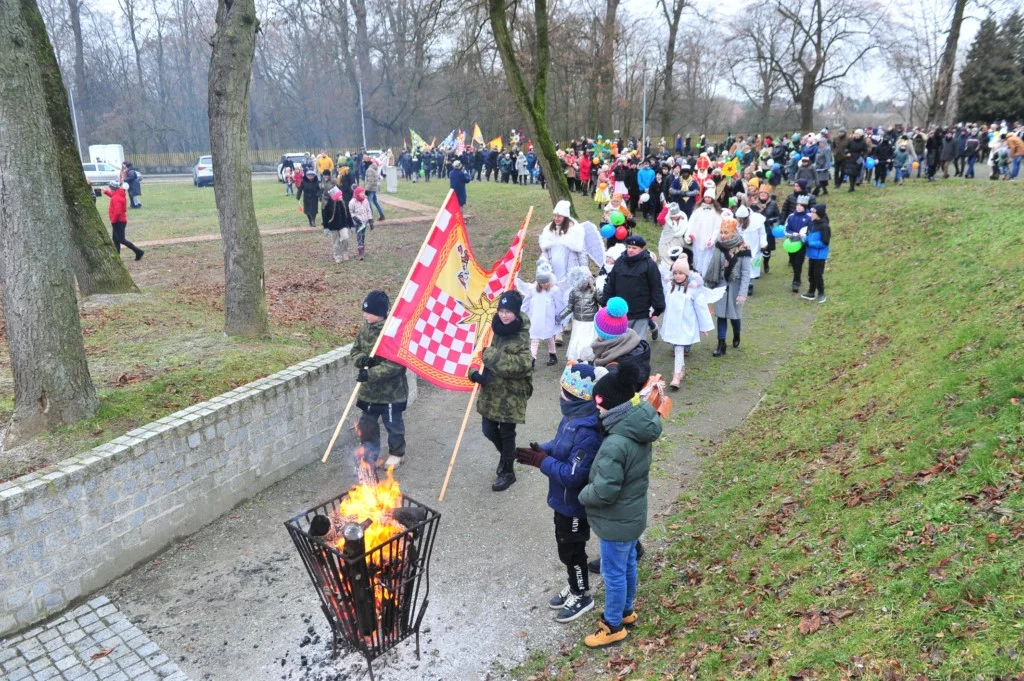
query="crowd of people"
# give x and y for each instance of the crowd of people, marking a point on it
(720, 223)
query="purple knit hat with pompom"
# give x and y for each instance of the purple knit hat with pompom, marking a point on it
(610, 321)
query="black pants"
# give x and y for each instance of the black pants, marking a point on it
(571, 535)
(503, 437)
(816, 276)
(369, 431)
(796, 261)
(119, 239)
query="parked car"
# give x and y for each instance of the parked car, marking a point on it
(296, 157)
(202, 172)
(100, 175)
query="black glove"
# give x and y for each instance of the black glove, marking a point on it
(363, 376)
(364, 361)
(483, 378)
(530, 457)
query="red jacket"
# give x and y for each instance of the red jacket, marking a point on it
(584, 168)
(118, 209)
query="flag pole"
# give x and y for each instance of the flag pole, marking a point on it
(380, 336)
(486, 337)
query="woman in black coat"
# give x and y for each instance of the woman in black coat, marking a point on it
(855, 152)
(309, 193)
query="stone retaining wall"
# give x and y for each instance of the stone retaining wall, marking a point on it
(69, 529)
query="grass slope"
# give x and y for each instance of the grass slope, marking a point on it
(866, 522)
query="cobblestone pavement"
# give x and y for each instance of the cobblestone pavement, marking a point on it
(92, 642)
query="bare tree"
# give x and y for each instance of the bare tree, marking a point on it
(943, 89)
(606, 74)
(533, 107)
(824, 40)
(914, 53)
(52, 385)
(245, 304)
(752, 64)
(672, 10)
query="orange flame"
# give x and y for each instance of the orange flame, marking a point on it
(371, 500)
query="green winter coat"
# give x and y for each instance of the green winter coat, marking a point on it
(508, 359)
(387, 384)
(616, 496)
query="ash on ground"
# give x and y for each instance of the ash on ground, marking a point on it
(311, 659)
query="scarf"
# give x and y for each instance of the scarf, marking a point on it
(575, 409)
(613, 416)
(607, 351)
(725, 255)
(502, 329)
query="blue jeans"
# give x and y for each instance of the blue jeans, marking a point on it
(970, 166)
(1016, 167)
(618, 570)
(371, 198)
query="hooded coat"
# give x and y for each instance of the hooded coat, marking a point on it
(309, 193)
(673, 235)
(637, 280)
(564, 251)
(570, 456)
(616, 496)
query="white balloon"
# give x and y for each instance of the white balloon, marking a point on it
(645, 197)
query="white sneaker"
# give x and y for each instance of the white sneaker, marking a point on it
(393, 461)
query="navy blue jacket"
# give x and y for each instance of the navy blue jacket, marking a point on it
(568, 461)
(458, 180)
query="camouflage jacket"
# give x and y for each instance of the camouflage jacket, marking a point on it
(509, 361)
(387, 384)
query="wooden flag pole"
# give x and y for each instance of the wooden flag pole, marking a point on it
(484, 338)
(380, 336)
(458, 440)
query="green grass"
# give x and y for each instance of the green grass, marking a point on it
(178, 209)
(866, 521)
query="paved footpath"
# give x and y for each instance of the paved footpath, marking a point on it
(90, 643)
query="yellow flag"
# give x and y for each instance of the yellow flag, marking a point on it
(417, 141)
(496, 143)
(478, 136)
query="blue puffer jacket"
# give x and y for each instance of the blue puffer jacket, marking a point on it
(819, 235)
(570, 455)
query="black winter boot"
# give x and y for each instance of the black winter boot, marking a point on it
(506, 477)
(721, 348)
(735, 339)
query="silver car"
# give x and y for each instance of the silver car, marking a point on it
(202, 172)
(101, 174)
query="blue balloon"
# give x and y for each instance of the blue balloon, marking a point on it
(869, 163)
(607, 231)
(797, 156)
(778, 231)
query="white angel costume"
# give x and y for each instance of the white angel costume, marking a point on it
(703, 230)
(571, 248)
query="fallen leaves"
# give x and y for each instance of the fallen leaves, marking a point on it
(814, 619)
(103, 653)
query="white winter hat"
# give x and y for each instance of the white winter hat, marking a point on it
(615, 251)
(742, 212)
(726, 214)
(563, 208)
(709, 184)
(674, 210)
(709, 194)
(124, 186)
(544, 272)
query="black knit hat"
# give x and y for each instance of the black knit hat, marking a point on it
(377, 303)
(511, 300)
(616, 387)
(819, 208)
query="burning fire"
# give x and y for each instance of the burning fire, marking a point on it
(371, 500)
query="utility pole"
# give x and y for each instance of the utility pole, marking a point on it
(74, 119)
(643, 124)
(362, 116)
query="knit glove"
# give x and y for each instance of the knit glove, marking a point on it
(363, 376)
(364, 361)
(530, 457)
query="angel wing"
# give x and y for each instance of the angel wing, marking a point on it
(712, 296)
(523, 287)
(593, 244)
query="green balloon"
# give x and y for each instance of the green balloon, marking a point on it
(617, 218)
(732, 202)
(768, 175)
(791, 246)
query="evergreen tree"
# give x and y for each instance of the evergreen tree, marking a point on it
(991, 83)
(1013, 33)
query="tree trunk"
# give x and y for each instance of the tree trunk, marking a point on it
(94, 259)
(606, 83)
(44, 335)
(363, 56)
(533, 109)
(668, 100)
(807, 94)
(234, 43)
(944, 81)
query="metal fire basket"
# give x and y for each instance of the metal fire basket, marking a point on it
(373, 597)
